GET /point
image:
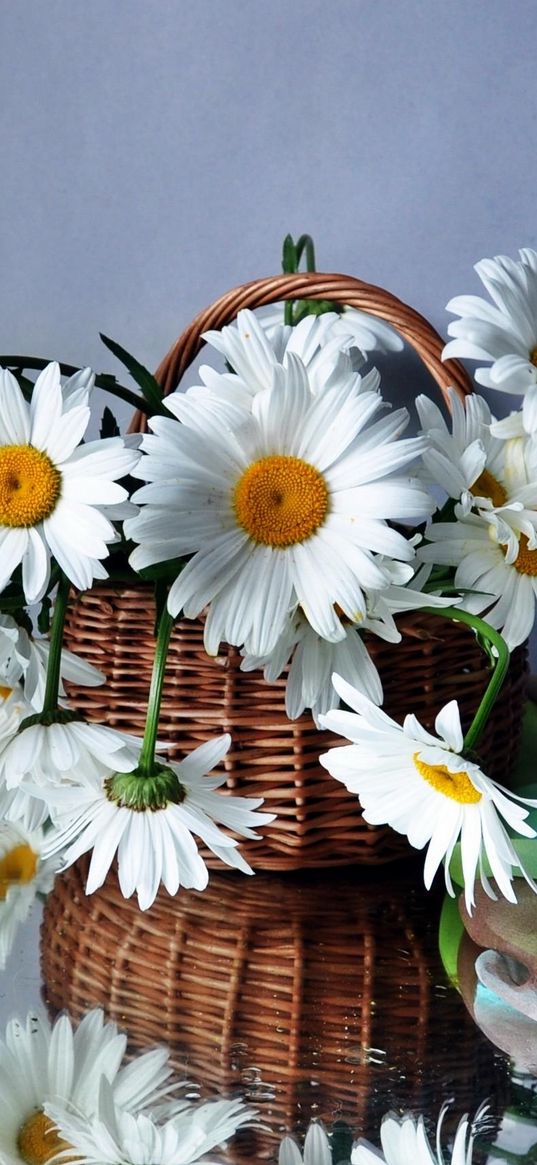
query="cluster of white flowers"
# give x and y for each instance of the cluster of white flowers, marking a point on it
(59, 500)
(65, 1094)
(288, 491)
(489, 467)
(284, 479)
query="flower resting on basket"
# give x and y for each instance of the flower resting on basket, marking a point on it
(429, 788)
(65, 1088)
(108, 792)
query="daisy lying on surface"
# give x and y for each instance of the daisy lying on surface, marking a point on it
(424, 786)
(65, 1089)
(403, 1141)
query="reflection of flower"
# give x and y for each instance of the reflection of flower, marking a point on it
(288, 505)
(112, 1135)
(404, 1140)
(42, 1064)
(316, 1148)
(53, 489)
(421, 785)
(503, 333)
(23, 875)
(154, 841)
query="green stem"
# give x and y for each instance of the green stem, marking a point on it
(50, 701)
(102, 380)
(146, 764)
(486, 635)
(305, 243)
(288, 312)
(292, 254)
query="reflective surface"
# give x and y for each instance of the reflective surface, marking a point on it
(320, 995)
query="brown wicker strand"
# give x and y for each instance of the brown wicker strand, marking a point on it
(341, 289)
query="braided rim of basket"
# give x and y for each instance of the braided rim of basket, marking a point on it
(342, 289)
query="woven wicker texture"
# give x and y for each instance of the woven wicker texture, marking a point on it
(310, 995)
(318, 823)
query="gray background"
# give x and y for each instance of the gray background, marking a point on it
(154, 153)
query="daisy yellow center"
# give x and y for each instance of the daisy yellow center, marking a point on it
(38, 1140)
(17, 868)
(280, 501)
(526, 560)
(533, 356)
(5, 692)
(29, 485)
(456, 786)
(488, 486)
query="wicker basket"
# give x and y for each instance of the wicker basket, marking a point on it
(309, 994)
(318, 823)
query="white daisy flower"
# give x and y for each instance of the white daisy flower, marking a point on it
(498, 478)
(254, 348)
(503, 333)
(404, 1140)
(52, 489)
(316, 1148)
(77, 389)
(23, 657)
(456, 460)
(11, 664)
(423, 786)
(42, 1064)
(71, 750)
(154, 844)
(520, 424)
(503, 586)
(112, 1136)
(16, 805)
(285, 507)
(353, 328)
(23, 875)
(314, 660)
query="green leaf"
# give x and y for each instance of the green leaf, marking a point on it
(315, 307)
(43, 619)
(163, 571)
(289, 259)
(144, 379)
(109, 425)
(342, 1140)
(450, 933)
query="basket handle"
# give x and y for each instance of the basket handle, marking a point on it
(343, 289)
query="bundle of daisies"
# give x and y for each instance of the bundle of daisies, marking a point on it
(68, 1094)
(281, 498)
